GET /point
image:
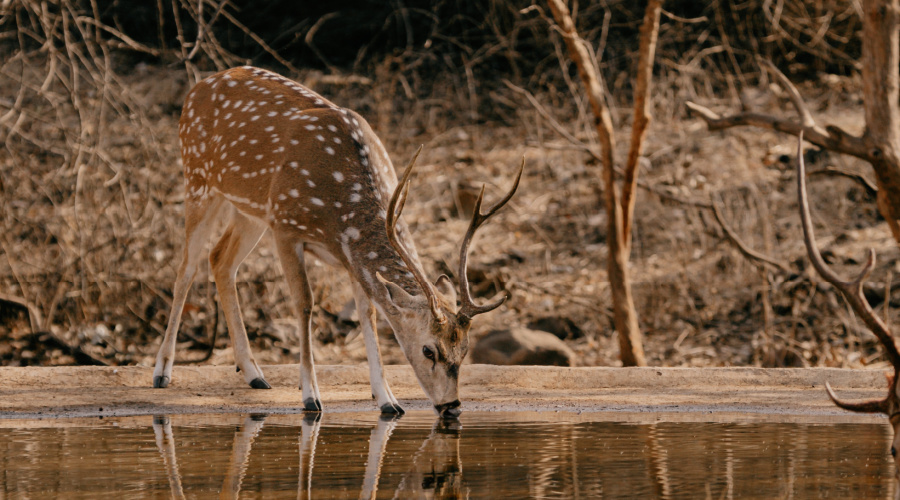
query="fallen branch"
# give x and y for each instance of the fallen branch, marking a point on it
(34, 316)
(47, 337)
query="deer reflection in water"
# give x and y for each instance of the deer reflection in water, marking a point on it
(237, 465)
(435, 470)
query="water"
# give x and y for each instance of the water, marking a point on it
(484, 455)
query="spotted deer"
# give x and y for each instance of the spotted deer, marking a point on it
(287, 159)
(853, 293)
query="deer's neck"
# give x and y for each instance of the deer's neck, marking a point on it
(367, 251)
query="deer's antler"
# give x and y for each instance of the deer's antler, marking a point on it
(395, 208)
(468, 308)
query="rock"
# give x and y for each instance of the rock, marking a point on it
(563, 328)
(521, 346)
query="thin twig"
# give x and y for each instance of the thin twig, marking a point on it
(749, 253)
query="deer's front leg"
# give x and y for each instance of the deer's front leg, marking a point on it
(380, 389)
(290, 251)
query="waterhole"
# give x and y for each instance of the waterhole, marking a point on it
(482, 455)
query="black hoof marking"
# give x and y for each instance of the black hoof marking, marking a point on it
(391, 409)
(160, 382)
(160, 419)
(312, 404)
(259, 383)
(312, 418)
(258, 417)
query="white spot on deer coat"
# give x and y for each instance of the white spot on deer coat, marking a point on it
(352, 233)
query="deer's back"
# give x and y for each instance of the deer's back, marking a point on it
(280, 152)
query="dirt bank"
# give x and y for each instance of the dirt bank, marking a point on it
(682, 394)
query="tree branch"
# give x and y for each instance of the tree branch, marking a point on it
(806, 118)
(831, 137)
(747, 252)
(649, 35)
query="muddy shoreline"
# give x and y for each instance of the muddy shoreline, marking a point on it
(622, 394)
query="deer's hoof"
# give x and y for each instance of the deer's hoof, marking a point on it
(259, 383)
(391, 409)
(160, 382)
(312, 404)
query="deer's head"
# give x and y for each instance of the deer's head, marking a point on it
(432, 331)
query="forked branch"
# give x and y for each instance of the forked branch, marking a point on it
(468, 307)
(830, 137)
(852, 290)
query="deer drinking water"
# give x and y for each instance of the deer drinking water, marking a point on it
(289, 160)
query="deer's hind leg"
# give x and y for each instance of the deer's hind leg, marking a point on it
(199, 220)
(241, 236)
(290, 252)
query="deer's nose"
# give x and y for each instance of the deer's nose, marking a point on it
(448, 410)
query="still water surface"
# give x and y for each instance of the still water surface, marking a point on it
(484, 455)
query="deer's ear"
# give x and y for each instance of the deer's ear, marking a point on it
(445, 286)
(398, 296)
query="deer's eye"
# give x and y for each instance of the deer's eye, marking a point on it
(428, 353)
(893, 452)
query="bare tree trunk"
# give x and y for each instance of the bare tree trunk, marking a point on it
(619, 214)
(881, 90)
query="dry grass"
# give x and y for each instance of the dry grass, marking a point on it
(91, 210)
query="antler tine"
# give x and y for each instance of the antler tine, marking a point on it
(399, 196)
(874, 406)
(468, 308)
(395, 208)
(851, 290)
